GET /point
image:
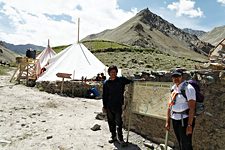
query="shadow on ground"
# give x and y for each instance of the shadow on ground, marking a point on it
(126, 146)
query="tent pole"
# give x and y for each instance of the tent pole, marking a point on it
(78, 40)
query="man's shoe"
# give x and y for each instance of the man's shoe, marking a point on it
(121, 141)
(113, 140)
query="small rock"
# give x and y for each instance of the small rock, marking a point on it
(49, 137)
(23, 124)
(101, 116)
(149, 145)
(162, 147)
(34, 114)
(5, 141)
(96, 127)
(100, 146)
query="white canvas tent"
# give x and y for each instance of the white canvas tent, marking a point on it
(44, 57)
(76, 60)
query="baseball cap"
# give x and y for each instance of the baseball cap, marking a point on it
(177, 73)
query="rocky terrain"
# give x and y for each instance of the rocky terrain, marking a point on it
(6, 56)
(198, 33)
(214, 36)
(149, 30)
(30, 119)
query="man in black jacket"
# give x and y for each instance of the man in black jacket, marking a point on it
(113, 100)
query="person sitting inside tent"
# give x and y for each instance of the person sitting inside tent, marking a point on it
(98, 77)
(43, 70)
(103, 77)
(92, 93)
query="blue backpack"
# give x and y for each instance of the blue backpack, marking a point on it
(199, 109)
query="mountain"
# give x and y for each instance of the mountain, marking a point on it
(21, 49)
(6, 55)
(148, 30)
(215, 36)
(198, 33)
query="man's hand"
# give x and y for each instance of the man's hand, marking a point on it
(167, 126)
(189, 130)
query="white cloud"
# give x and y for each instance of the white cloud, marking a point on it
(33, 26)
(221, 1)
(186, 7)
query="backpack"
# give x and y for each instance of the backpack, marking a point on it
(199, 109)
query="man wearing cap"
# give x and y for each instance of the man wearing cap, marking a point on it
(181, 111)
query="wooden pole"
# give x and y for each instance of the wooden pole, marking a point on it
(78, 34)
(166, 139)
(48, 43)
(62, 86)
(27, 71)
(130, 111)
(18, 68)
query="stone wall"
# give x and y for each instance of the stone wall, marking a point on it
(70, 88)
(209, 132)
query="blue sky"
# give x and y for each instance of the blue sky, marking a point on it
(31, 21)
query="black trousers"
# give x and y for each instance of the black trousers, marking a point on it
(184, 141)
(115, 122)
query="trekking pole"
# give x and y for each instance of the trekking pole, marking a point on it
(129, 110)
(166, 139)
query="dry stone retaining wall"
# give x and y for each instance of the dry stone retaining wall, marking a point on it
(70, 88)
(209, 132)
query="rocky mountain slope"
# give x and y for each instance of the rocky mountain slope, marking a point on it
(6, 55)
(148, 30)
(21, 49)
(214, 36)
(198, 33)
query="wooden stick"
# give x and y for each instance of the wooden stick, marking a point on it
(18, 68)
(62, 86)
(130, 111)
(166, 139)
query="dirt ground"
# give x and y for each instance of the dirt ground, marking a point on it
(34, 120)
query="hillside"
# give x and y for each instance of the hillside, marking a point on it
(198, 33)
(135, 60)
(6, 55)
(21, 49)
(148, 30)
(214, 36)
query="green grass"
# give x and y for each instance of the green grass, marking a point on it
(3, 70)
(97, 46)
(134, 60)
(101, 45)
(58, 49)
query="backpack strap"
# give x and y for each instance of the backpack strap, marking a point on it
(183, 89)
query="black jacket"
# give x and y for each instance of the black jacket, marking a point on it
(113, 91)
